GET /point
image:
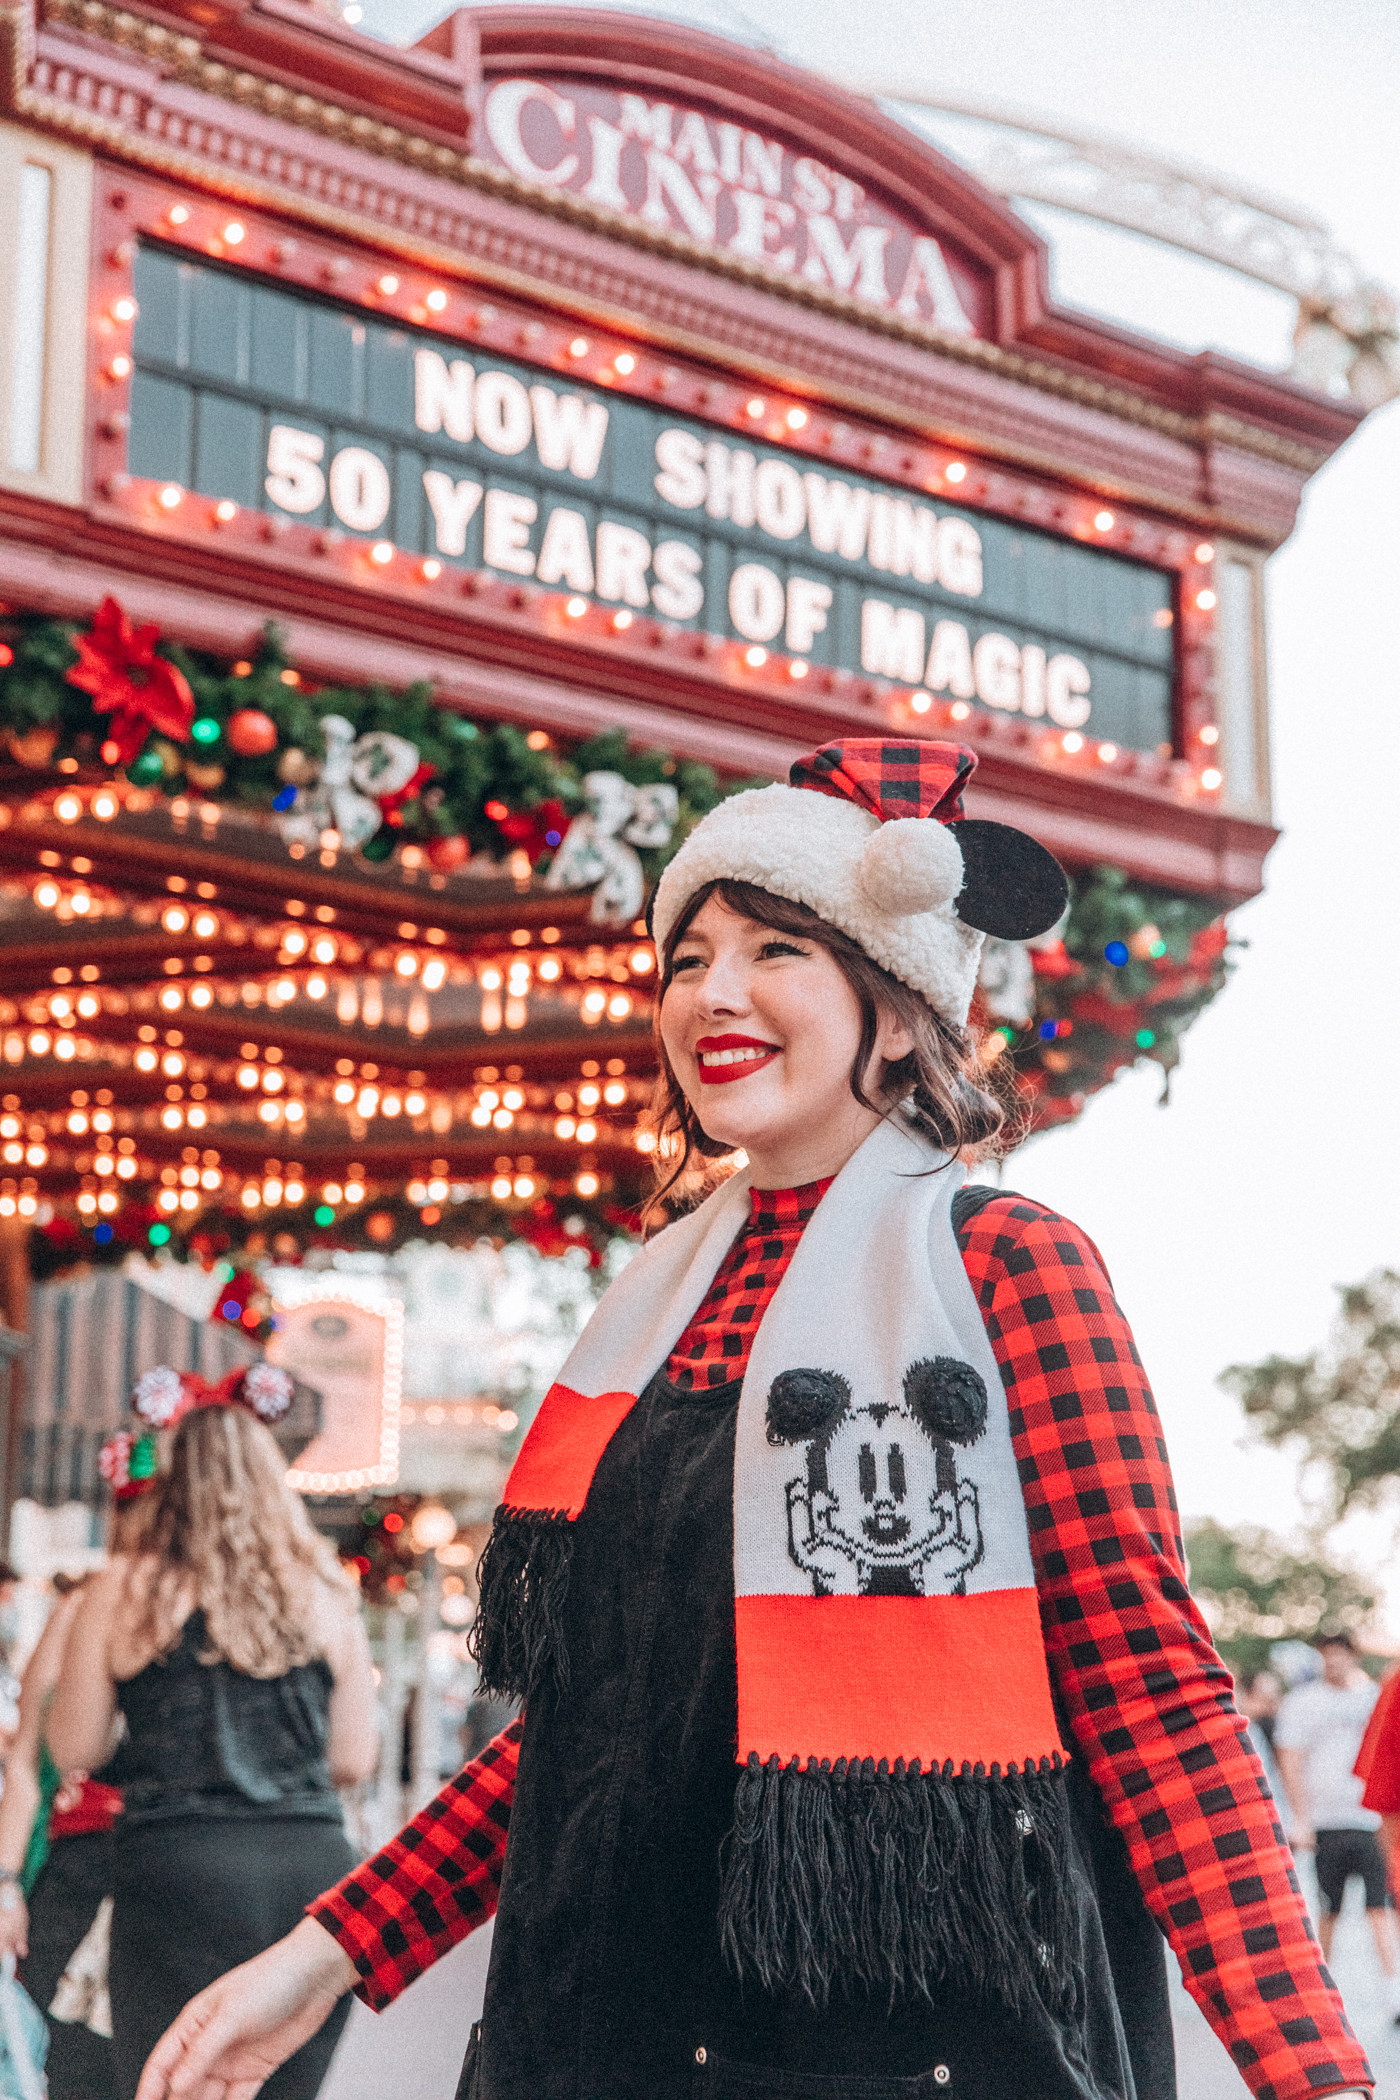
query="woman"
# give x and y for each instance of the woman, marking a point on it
(232, 1649)
(869, 1723)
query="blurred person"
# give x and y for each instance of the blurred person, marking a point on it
(872, 1741)
(1378, 1769)
(1317, 1741)
(232, 1648)
(1259, 1698)
(55, 1828)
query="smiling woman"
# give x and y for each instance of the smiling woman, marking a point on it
(755, 984)
(872, 1740)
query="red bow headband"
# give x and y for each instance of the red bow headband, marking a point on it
(164, 1397)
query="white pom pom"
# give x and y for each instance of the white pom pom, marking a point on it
(158, 1396)
(911, 864)
(268, 1391)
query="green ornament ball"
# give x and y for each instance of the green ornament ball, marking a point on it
(146, 770)
(381, 846)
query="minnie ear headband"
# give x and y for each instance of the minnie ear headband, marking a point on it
(872, 837)
(164, 1397)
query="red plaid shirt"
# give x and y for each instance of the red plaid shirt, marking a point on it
(1149, 1702)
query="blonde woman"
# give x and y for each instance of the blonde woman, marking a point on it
(234, 1653)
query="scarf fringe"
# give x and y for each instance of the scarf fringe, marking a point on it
(895, 1881)
(517, 1637)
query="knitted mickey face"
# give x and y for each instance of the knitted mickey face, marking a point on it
(872, 837)
(882, 1511)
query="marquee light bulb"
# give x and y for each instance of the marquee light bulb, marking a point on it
(1212, 777)
(233, 233)
(576, 608)
(179, 214)
(921, 702)
(955, 471)
(1072, 742)
(755, 658)
(124, 310)
(68, 809)
(579, 346)
(120, 367)
(622, 620)
(1107, 753)
(960, 710)
(388, 285)
(431, 571)
(797, 419)
(226, 511)
(171, 497)
(797, 668)
(382, 551)
(436, 299)
(757, 407)
(1104, 521)
(1205, 601)
(624, 362)
(1205, 552)
(1210, 734)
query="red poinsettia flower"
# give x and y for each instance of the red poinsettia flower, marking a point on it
(534, 831)
(128, 681)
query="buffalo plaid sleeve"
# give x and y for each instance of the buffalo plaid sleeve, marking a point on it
(1149, 1701)
(430, 1886)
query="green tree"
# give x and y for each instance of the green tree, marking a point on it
(1337, 1409)
(1256, 1588)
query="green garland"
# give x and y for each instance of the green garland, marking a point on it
(44, 719)
(1134, 967)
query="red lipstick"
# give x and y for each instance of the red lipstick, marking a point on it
(723, 1058)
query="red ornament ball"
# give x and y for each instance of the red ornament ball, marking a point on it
(251, 733)
(447, 854)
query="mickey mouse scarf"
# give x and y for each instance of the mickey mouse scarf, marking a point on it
(899, 1810)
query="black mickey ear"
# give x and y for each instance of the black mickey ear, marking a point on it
(649, 914)
(1011, 887)
(948, 1397)
(805, 1404)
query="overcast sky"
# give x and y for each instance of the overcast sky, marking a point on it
(1227, 1218)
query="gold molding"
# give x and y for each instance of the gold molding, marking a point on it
(184, 58)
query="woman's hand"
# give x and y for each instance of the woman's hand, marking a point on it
(231, 2038)
(14, 1921)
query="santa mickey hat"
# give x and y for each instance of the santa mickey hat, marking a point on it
(872, 837)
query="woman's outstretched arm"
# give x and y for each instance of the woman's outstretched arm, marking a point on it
(230, 2039)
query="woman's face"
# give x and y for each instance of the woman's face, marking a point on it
(762, 1030)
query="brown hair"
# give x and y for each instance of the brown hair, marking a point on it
(940, 1076)
(226, 1526)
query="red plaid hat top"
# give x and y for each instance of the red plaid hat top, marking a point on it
(890, 780)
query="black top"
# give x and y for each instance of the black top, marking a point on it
(204, 1740)
(606, 1979)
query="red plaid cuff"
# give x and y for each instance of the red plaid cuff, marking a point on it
(431, 1885)
(1149, 1700)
